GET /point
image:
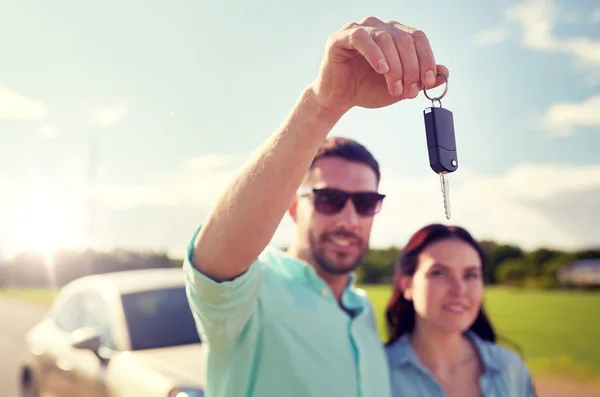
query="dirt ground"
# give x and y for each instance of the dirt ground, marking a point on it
(548, 387)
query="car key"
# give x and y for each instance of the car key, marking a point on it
(441, 143)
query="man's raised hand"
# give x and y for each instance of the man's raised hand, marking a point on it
(374, 64)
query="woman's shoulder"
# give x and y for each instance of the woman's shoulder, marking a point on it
(508, 356)
(499, 354)
(505, 366)
(408, 377)
(399, 350)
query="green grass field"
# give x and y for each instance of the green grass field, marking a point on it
(558, 332)
(42, 296)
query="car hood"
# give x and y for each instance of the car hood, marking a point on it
(183, 364)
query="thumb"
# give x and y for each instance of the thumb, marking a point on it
(441, 80)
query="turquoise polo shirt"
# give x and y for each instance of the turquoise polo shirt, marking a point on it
(504, 372)
(277, 330)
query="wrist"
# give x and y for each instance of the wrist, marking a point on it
(321, 112)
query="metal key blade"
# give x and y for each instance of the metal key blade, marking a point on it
(445, 185)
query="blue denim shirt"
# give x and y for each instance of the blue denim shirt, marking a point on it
(504, 373)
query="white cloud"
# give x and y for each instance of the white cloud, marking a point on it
(543, 182)
(490, 36)
(537, 19)
(49, 131)
(196, 183)
(106, 116)
(13, 191)
(14, 106)
(503, 207)
(562, 118)
(529, 205)
(596, 15)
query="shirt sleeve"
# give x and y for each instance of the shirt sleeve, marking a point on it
(528, 386)
(523, 376)
(518, 373)
(221, 309)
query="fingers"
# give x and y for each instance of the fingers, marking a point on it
(385, 40)
(360, 39)
(417, 59)
(410, 62)
(441, 79)
(393, 77)
(424, 53)
(402, 54)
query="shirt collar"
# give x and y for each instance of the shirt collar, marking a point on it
(301, 270)
(401, 353)
(488, 351)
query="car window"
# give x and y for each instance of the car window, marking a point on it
(159, 318)
(69, 315)
(96, 314)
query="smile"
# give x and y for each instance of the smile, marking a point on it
(455, 308)
(341, 241)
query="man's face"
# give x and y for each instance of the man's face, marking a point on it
(334, 242)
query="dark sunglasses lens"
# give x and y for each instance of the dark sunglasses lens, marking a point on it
(367, 204)
(330, 201)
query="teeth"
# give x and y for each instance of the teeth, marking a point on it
(456, 308)
(341, 241)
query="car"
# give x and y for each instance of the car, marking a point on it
(128, 333)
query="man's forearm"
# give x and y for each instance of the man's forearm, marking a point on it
(248, 212)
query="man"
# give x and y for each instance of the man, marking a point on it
(292, 324)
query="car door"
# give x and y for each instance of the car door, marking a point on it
(56, 371)
(90, 367)
(73, 372)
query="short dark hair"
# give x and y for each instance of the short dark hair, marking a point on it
(348, 149)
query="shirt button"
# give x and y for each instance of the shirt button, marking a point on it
(363, 376)
(324, 292)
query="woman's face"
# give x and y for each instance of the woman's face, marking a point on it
(447, 287)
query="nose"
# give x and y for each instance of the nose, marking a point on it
(348, 216)
(458, 285)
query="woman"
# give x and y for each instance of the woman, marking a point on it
(441, 341)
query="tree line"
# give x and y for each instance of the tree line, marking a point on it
(31, 269)
(506, 264)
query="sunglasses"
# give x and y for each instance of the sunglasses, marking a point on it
(330, 201)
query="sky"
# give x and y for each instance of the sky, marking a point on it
(140, 112)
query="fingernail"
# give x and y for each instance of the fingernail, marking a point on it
(382, 66)
(429, 78)
(413, 91)
(398, 88)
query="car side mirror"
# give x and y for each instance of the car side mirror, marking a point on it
(87, 338)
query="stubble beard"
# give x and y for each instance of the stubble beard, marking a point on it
(323, 261)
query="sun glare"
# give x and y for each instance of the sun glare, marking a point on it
(44, 224)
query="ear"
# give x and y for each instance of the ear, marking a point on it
(406, 287)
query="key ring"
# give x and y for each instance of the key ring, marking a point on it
(438, 99)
